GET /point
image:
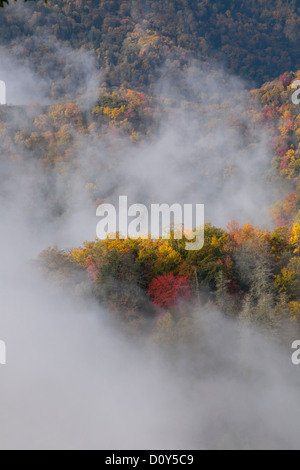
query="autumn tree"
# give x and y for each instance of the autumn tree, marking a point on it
(167, 291)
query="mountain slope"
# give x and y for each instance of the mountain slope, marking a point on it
(132, 40)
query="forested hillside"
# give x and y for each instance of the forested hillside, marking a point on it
(135, 42)
(245, 271)
(248, 272)
(124, 341)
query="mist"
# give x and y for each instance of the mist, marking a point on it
(73, 379)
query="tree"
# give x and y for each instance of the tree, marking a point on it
(167, 291)
(224, 300)
(211, 259)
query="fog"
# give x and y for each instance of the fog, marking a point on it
(29, 83)
(73, 379)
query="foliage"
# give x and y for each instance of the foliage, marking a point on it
(247, 271)
(134, 40)
(281, 116)
(252, 273)
(167, 291)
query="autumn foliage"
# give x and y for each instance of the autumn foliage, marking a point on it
(137, 276)
(168, 290)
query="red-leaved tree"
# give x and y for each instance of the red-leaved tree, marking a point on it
(167, 290)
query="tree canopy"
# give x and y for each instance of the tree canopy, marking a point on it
(134, 40)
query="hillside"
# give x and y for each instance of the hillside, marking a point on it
(72, 144)
(137, 42)
(126, 122)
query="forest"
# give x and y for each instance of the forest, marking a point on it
(247, 272)
(139, 342)
(252, 39)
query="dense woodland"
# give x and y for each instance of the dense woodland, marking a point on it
(137, 342)
(245, 272)
(136, 42)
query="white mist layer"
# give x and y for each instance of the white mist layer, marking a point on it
(72, 382)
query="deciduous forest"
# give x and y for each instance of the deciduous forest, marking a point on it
(124, 95)
(246, 270)
(133, 40)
